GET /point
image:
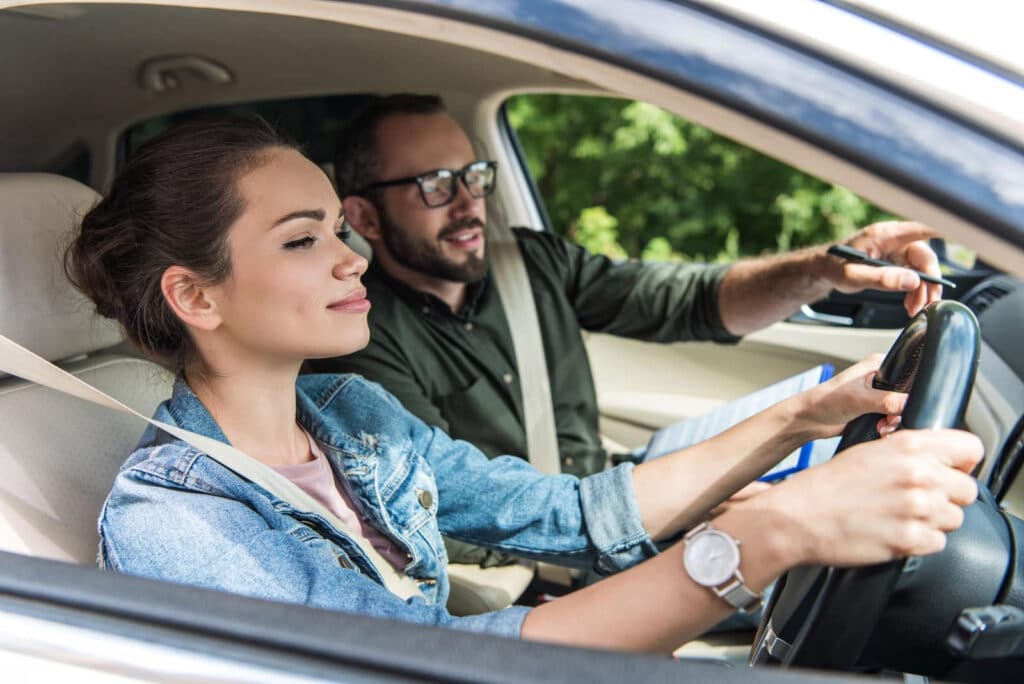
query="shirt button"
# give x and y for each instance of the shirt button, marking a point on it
(426, 499)
(568, 460)
(468, 327)
(425, 309)
(507, 377)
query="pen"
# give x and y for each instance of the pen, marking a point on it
(859, 257)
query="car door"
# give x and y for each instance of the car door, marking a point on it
(615, 156)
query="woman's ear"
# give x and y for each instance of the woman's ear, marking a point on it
(189, 299)
(362, 215)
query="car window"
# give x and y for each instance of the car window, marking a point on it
(630, 180)
(313, 122)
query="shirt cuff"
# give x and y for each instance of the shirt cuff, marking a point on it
(712, 311)
(507, 622)
(613, 520)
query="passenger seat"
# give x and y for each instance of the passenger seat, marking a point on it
(59, 455)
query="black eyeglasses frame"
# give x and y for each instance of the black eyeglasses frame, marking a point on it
(457, 175)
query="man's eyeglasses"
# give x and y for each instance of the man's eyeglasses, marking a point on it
(438, 187)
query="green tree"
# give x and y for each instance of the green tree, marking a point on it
(626, 178)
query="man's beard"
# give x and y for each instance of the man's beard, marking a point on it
(426, 257)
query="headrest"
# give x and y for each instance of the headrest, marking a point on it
(357, 242)
(39, 308)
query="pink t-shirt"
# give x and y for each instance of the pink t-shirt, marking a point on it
(317, 479)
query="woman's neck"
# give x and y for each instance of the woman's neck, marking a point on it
(255, 410)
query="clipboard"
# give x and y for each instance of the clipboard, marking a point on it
(690, 431)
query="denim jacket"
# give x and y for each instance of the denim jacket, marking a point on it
(176, 514)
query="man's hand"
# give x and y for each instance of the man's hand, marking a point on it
(901, 242)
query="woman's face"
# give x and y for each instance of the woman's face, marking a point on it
(294, 291)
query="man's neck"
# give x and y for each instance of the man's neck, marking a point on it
(452, 293)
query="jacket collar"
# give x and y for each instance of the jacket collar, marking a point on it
(314, 395)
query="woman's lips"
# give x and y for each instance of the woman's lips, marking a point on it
(354, 303)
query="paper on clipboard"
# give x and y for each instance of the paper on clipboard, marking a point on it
(693, 430)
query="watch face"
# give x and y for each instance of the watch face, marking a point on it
(711, 558)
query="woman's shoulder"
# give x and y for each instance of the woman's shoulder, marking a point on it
(176, 464)
(354, 404)
(327, 390)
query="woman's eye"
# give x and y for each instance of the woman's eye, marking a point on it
(344, 234)
(301, 243)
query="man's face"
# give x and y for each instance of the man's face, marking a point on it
(444, 242)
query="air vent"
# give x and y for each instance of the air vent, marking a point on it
(987, 292)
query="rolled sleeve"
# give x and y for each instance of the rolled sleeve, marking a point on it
(507, 622)
(613, 520)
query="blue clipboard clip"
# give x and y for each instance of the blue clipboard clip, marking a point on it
(804, 459)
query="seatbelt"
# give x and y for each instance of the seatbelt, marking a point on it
(17, 360)
(513, 285)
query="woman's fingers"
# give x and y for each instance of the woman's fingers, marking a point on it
(887, 498)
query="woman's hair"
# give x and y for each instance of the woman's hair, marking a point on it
(171, 204)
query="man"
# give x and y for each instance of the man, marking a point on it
(414, 188)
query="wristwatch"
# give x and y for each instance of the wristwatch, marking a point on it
(712, 559)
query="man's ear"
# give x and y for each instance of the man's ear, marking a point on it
(189, 299)
(362, 215)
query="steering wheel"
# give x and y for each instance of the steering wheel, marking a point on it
(824, 617)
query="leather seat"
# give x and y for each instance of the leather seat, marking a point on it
(58, 454)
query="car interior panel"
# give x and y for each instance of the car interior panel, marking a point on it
(85, 84)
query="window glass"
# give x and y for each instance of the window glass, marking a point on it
(313, 122)
(630, 180)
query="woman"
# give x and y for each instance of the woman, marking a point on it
(221, 250)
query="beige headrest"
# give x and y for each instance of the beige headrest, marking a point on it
(38, 306)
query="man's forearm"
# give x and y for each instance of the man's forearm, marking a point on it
(758, 292)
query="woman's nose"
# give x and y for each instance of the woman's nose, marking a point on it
(349, 263)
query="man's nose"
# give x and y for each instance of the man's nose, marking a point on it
(463, 202)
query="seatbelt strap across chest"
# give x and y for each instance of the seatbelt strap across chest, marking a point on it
(513, 283)
(18, 361)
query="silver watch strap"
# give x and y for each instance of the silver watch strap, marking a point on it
(739, 596)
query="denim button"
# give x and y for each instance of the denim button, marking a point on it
(426, 499)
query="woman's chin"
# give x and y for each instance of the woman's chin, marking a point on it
(350, 345)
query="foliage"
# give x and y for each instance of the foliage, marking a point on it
(629, 179)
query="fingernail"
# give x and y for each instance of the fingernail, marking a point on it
(908, 281)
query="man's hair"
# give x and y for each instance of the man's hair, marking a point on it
(355, 155)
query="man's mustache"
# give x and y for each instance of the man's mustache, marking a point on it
(462, 224)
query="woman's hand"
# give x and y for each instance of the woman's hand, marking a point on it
(876, 501)
(828, 407)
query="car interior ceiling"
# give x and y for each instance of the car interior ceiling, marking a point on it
(54, 501)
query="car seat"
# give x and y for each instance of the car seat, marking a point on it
(58, 454)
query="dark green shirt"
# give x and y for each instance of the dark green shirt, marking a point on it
(458, 370)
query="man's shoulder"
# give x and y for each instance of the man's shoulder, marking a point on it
(532, 238)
